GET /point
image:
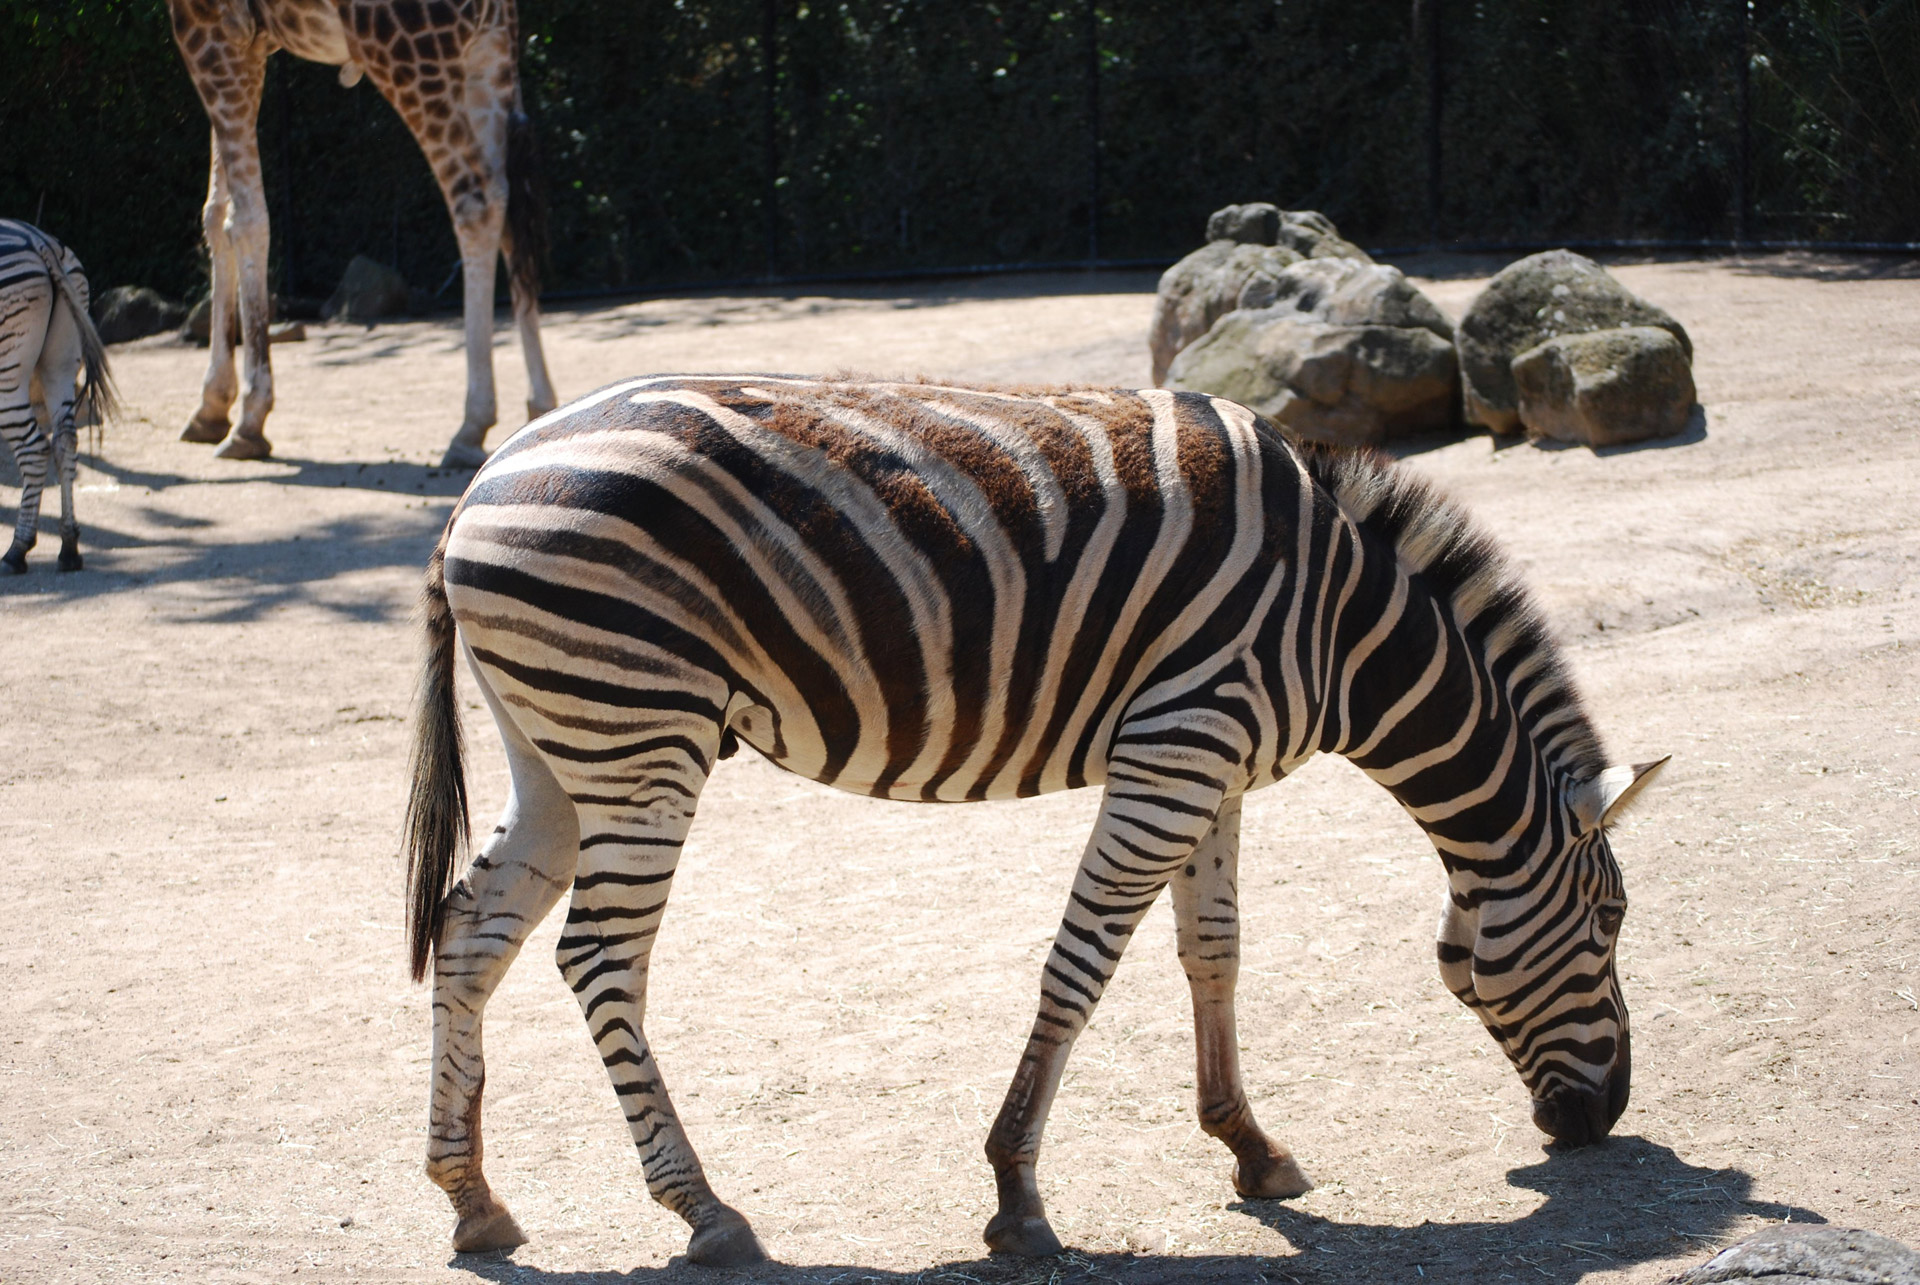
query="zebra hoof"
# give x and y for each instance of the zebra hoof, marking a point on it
(488, 1228)
(15, 560)
(204, 430)
(1272, 1177)
(1028, 1236)
(463, 455)
(70, 559)
(727, 1241)
(248, 447)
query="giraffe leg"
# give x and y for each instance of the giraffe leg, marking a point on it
(221, 384)
(57, 375)
(247, 227)
(633, 818)
(1207, 924)
(1148, 828)
(526, 318)
(20, 348)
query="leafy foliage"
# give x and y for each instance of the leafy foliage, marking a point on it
(898, 134)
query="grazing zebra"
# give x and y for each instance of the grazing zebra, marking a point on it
(943, 594)
(47, 345)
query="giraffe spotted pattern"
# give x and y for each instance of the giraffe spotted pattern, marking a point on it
(942, 594)
(448, 69)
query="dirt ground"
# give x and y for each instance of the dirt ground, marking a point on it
(213, 1068)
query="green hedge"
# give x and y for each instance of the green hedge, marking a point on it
(909, 135)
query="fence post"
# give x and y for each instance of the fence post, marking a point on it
(770, 75)
(283, 235)
(1436, 98)
(1743, 158)
(1093, 133)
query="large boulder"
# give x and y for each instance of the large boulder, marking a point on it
(1605, 387)
(1242, 241)
(1540, 298)
(368, 291)
(1793, 1254)
(1331, 350)
(133, 312)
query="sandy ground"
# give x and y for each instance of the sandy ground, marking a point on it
(213, 1068)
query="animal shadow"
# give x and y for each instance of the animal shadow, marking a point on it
(1622, 1203)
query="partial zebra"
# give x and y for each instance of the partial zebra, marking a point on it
(937, 593)
(51, 363)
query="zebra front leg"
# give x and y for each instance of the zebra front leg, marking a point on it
(510, 887)
(1206, 912)
(630, 845)
(1147, 830)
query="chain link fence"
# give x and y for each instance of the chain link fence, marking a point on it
(711, 141)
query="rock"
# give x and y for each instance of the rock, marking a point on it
(368, 291)
(1256, 223)
(1541, 297)
(1331, 350)
(1242, 241)
(1605, 387)
(1202, 288)
(134, 312)
(287, 332)
(1312, 235)
(1791, 1254)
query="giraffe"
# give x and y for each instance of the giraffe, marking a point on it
(448, 68)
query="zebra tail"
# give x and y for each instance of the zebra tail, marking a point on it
(526, 203)
(98, 399)
(437, 829)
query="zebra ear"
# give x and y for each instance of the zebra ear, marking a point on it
(1600, 801)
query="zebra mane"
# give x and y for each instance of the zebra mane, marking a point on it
(1441, 545)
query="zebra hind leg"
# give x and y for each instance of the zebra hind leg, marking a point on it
(57, 378)
(1147, 831)
(518, 876)
(28, 314)
(1207, 927)
(636, 800)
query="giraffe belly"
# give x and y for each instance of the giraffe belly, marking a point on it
(309, 29)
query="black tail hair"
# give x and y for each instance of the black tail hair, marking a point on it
(437, 829)
(526, 205)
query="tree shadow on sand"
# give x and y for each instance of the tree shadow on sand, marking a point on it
(1626, 1202)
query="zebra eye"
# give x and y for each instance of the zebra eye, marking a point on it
(1608, 918)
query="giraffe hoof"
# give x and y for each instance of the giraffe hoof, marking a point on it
(463, 455)
(488, 1228)
(727, 1241)
(1274, 1178)
(1028, 1236)
(249, 447)
(205, 431)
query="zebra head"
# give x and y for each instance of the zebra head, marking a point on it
(1533, 957)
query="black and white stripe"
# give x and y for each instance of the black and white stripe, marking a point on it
(51, 363)
(935, 593)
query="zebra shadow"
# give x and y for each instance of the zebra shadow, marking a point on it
(1624, 1203)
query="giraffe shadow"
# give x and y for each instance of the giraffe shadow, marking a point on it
(1624, 1203)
